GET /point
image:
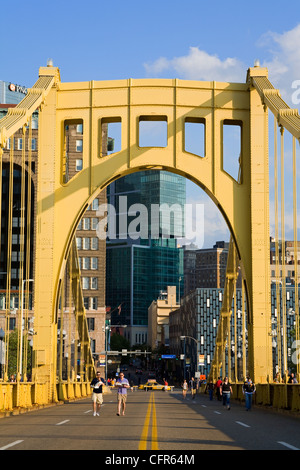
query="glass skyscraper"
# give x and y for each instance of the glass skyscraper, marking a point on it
(139, 268)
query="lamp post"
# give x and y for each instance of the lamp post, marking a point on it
(107, 330)
(196, 341)
(22, 308)
(2, 335)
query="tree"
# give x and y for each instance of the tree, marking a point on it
(13, 351)
(118, 342)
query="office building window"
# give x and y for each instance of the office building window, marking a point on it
(94, 243)
(86, 223)
(85, 263)
(79, 164)
(94, 303)
(33, 144)
(94, 263)
(95, 205)
(94, 283)
(86, 244)
(79, 128)
(20, 144)
(91, 324)
(85, 282)
(79, 145)
(94, 223)
(78, 243)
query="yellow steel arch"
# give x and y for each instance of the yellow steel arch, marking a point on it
(60, 204)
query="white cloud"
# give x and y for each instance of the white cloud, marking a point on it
(199, 65)
(284, 61)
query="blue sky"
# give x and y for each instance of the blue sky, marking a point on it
(99, 40)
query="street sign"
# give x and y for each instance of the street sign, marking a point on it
(168, 356)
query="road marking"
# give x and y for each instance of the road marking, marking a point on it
(154, 427)
(10, 445)
(243, 424)
(62, 422)
(89, 411)
(217, 412)
(289, 446)
(204, 406)
(143, 441)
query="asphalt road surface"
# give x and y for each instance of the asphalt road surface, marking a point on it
(156, 421)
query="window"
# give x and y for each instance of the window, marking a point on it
(20, 144)
(78, 243)
(79, 128)
(94, 303)
(85, 263)
(94, 243)
(95, 204)
(79, 145)
(79, 164)
(86, 223)
(94, 283)
(85, 283)
(86, 302)
(86, 244)
(33, 144)
(94, 223)
(94, 263)
(91, 324)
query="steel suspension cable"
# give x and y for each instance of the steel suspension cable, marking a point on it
(283, 252)
(28, 235)
(295, 250)
(277, 276)
(9, 248)
(21, 334)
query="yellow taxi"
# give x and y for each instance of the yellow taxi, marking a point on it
(153, 385)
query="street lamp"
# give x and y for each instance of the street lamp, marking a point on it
(196, 341)
(107, 330)
(21, 342)
(2, 335)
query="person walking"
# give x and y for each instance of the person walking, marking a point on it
(210, 387)
(225, 392)
(122, 384)
(184, 388)
(97, 397)
(217, 387)
(194, 387)
(248, 390)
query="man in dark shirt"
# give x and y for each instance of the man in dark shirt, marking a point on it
(97, 386)
(248, 390)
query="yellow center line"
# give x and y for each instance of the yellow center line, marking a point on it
(154, 427)
(144, 436)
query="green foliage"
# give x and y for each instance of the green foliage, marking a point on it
(13, 351)
(118, 342)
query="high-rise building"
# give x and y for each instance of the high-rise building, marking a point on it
(142, 263)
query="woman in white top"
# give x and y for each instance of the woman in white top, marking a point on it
(184, 388)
